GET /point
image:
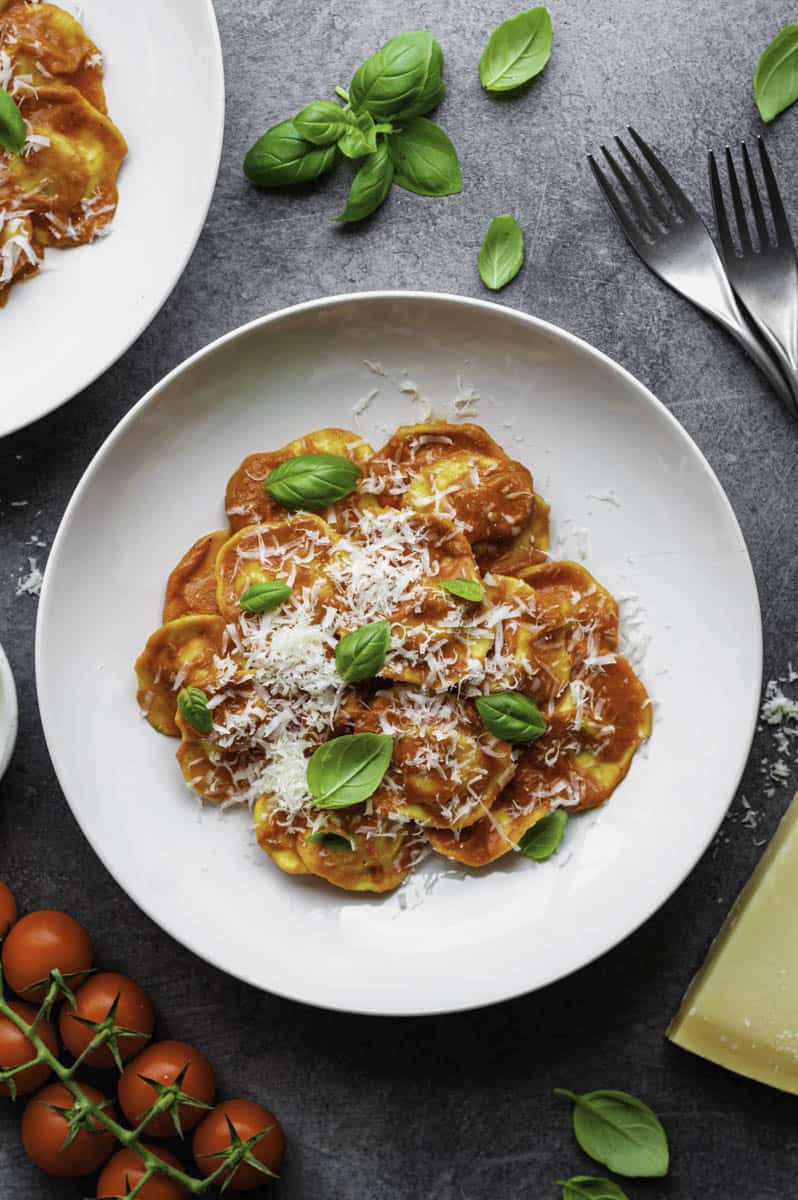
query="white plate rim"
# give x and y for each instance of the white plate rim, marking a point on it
(749, 719)
(217, 137)
(9, 712)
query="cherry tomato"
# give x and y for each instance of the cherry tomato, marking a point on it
(247, 1118)
(122, 1172)
(163, 1062)
(95, 999)
(44, 1131)
(39, 943)
(16, 1049)
(8, 909)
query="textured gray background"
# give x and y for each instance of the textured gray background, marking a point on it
(459, 1107)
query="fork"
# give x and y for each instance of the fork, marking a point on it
(765, 278)
(670, 237)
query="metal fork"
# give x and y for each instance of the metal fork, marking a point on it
(670, 237)
(765, 277)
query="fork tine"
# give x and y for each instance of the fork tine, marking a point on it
(756, 203)
(721, 219)
(737, 202)
(680, 202)
(780, 222)
(618, 210)
(651, 191)
(632, 194)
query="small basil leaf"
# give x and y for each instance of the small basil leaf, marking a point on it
(282, 156)
(621, 1132)
(359, 137)
(424, 159)
(12, 126)
(502, 253)
(590, 1187)
(545, 836)
(348, 769)
(370, 185)
(402, 80)
(331, 841)
(464, 589)
(511, 717)
(776, 77)
(312, 481)
(193, 705)
(361, 653)
(261, 597)
(321, 123)
(517, 51)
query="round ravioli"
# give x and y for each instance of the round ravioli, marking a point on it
(191, 587)
(221, 775)
(588, 610)
(525, 548)
(46, 43)
(294, 549)
(446, 770)
(380, 852)
(496, 834)
(179, 654)
(530, 652)
(246, 500)
(488, 498)
(276, 839)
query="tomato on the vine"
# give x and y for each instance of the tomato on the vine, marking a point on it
(16, 1049)
(8, 909)
(41, 942)
(212, 1138)
(44, 1131)
(95, 1000)
(122, 1172)
(162, 1063)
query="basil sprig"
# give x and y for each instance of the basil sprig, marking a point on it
(517, 51)
(464, 589)
(194, 709)
(621, 1132)
(590, 1187)
(511, 717)
(12, 126)
(331, 840)
(370, 186)
(312, 481)
(502, 253)
(262, 597)
(361, 653)
(282, 156)
(359, 136)
(776, 77)
(348, 769)
(545, 836)
(424, 159)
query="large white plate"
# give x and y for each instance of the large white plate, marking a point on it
(165, 87)
(611, 460)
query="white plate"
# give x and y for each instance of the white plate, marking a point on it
(8, 713)
(165, 86)
(588, 430)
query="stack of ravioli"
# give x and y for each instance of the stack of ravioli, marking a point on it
(61, 189)
(438, 502)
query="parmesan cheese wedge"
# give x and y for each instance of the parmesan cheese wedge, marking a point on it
(741, 1010)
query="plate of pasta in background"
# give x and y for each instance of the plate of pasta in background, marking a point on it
(96, 223)
(415, 648)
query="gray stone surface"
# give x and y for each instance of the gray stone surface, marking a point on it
(453, 1108)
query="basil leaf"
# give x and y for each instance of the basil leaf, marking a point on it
(370, 186)
(511, 716)
(621, 1132)
(361, 653)
(193, 705)
(312, 481)
(261, 597)
(464, 589)
(424, 160)
(589, 1187)
(402, 80)
(776, 77)
(502, 253)
(331, 841)
(545, 836)
(321, 123)
(517, 51)
(12, 126)
(282, 156)
(359, 137)
(348, 769)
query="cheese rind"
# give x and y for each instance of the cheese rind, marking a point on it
(741, 1010)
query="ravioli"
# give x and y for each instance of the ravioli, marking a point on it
(275, 839)
(525, 548)
(46, 43)
(179, 654)
(530, 652)
(191, 587)
(588, 610)
(496, 835)
(382, 855)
